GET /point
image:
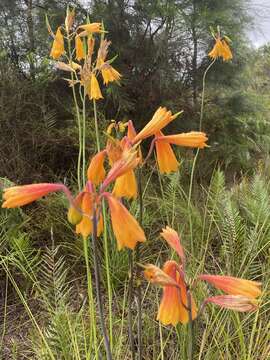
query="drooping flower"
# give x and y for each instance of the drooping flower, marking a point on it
(79, 48)
(191, 139)
(221, 49)
(166, 159)
(126, 229)
(160, 119)
(174, 303)
(173, 239)
(85, 226)
(126, 186)
(234, 286)
(234, 302)
(157, 276)
(17, 196)
(109, 73)
(95, 92)
(72, 67)
(58, 48)
(126, 163)
(91, 28)
(96, 172)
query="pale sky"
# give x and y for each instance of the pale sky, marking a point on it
(260, 10)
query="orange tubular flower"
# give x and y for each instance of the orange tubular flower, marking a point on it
(221, 49)
(191, 139)
(166, 159)
(85, 227)
(173, 240)
(79, 48)
(234, 286)
(161, 118)
(58, 48)
(126, 229)
(17, 196)
(91, 28)
(173, 306)
(96, 172)
(234, 302)
(126, 186)
(95, 92)
(109, 74)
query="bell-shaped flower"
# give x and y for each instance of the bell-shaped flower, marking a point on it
(126, 229)
(79, 48)
(126, 186)
(173, 308)
(221, 49)
(234, 286)
(75, 210)
(90, 28)
(109, 73)
(58, 48)
(94, 90)
(166, 158)
(96, 172)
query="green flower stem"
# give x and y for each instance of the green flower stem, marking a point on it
(105, 237)
(130, 301)
(190, 326)
(98, 289)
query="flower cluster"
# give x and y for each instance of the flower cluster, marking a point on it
(221, 48)
(177, 301)
(86, 71)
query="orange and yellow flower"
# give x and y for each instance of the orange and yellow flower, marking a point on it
(91, 28)
(157, 276)
(173, 306)
(79, 48)
(109, 74)
(234, 286)
(58, 48)
(96, 172)
(75, 210)
(221, 49)
(85, 226)
(191, 139)
(126, 229)
(160, 119)
(166, 159)
(17, 196)
(126, 186)
(95, 92)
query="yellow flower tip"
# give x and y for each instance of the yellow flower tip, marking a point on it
(75, 212)
(155, 275)
(234, 302)
(166, 158)
(173, 239)
(172, 309)
(79, 48)
(126, 186)
(109, 74)
(92, 28)
(161, 118)
(96, 172)
(17, 196)
(234, 286)
(95, 92)
(58, 48)
(126, 229)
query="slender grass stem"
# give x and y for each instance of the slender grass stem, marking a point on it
(98, 289)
